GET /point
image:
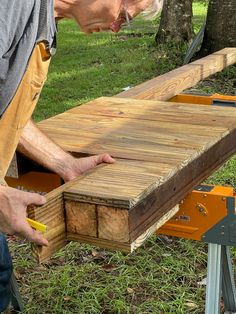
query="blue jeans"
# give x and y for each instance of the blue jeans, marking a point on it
(5, 273)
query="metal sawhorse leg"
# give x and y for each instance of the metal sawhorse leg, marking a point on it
(220, 280)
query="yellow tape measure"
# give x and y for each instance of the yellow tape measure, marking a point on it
(36, 225)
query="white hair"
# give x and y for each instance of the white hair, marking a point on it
(153, 10)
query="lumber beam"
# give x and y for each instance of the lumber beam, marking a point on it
(115, 234)
(172, 83)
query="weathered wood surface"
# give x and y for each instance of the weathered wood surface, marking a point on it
(162, 151)
(170, 84)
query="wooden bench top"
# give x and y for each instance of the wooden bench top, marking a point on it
(150, 140)
(162, 151)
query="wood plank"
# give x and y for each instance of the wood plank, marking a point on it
(152, 110)
(103, 243)
(135, 138)
(113, 224)
(163, 150)
(109, 185)
(51, 214)
(143, 237)
(172, 83)
(81, 218)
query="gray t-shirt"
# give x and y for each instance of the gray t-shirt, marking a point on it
(23, 23)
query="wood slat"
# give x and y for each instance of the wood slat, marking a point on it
(124, 183)
(172, 83)
(173, 190)
(154, 110)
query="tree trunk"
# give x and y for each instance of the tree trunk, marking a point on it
(176, 22)
(220, 29)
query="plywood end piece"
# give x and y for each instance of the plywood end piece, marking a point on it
(140, 240)
(52, 215)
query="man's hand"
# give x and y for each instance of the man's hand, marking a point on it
(39, 147)
(78, 166)
(13, 205)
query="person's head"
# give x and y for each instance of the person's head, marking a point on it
(103, 15)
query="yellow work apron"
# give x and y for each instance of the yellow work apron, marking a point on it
(22, 106)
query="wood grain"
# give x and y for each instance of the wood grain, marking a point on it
(51, 214)
(81, 218)
(113, 224)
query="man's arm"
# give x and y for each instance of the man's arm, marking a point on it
(13, 203)
(40, 148)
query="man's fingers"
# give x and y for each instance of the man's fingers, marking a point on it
(34, 199)
(104, 158)
(30, 234)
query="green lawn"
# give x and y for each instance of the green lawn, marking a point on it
(161, 277)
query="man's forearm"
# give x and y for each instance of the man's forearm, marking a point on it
(39, 147)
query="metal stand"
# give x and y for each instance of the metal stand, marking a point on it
(220, 280)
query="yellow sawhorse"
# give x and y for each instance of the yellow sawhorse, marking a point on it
(208, 214)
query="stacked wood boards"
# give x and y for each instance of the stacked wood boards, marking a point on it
(162, 151)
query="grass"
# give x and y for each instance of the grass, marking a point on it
(158, 278)
(161, 277)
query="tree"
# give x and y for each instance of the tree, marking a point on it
(220, 29)
(176, 22)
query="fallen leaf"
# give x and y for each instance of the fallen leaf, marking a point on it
(109, 267)
(191, 305)
(98, 255)
(130, 290)
(67, 298)
(40, 268)
(56, 261)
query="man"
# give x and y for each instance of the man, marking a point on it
(27, 42)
